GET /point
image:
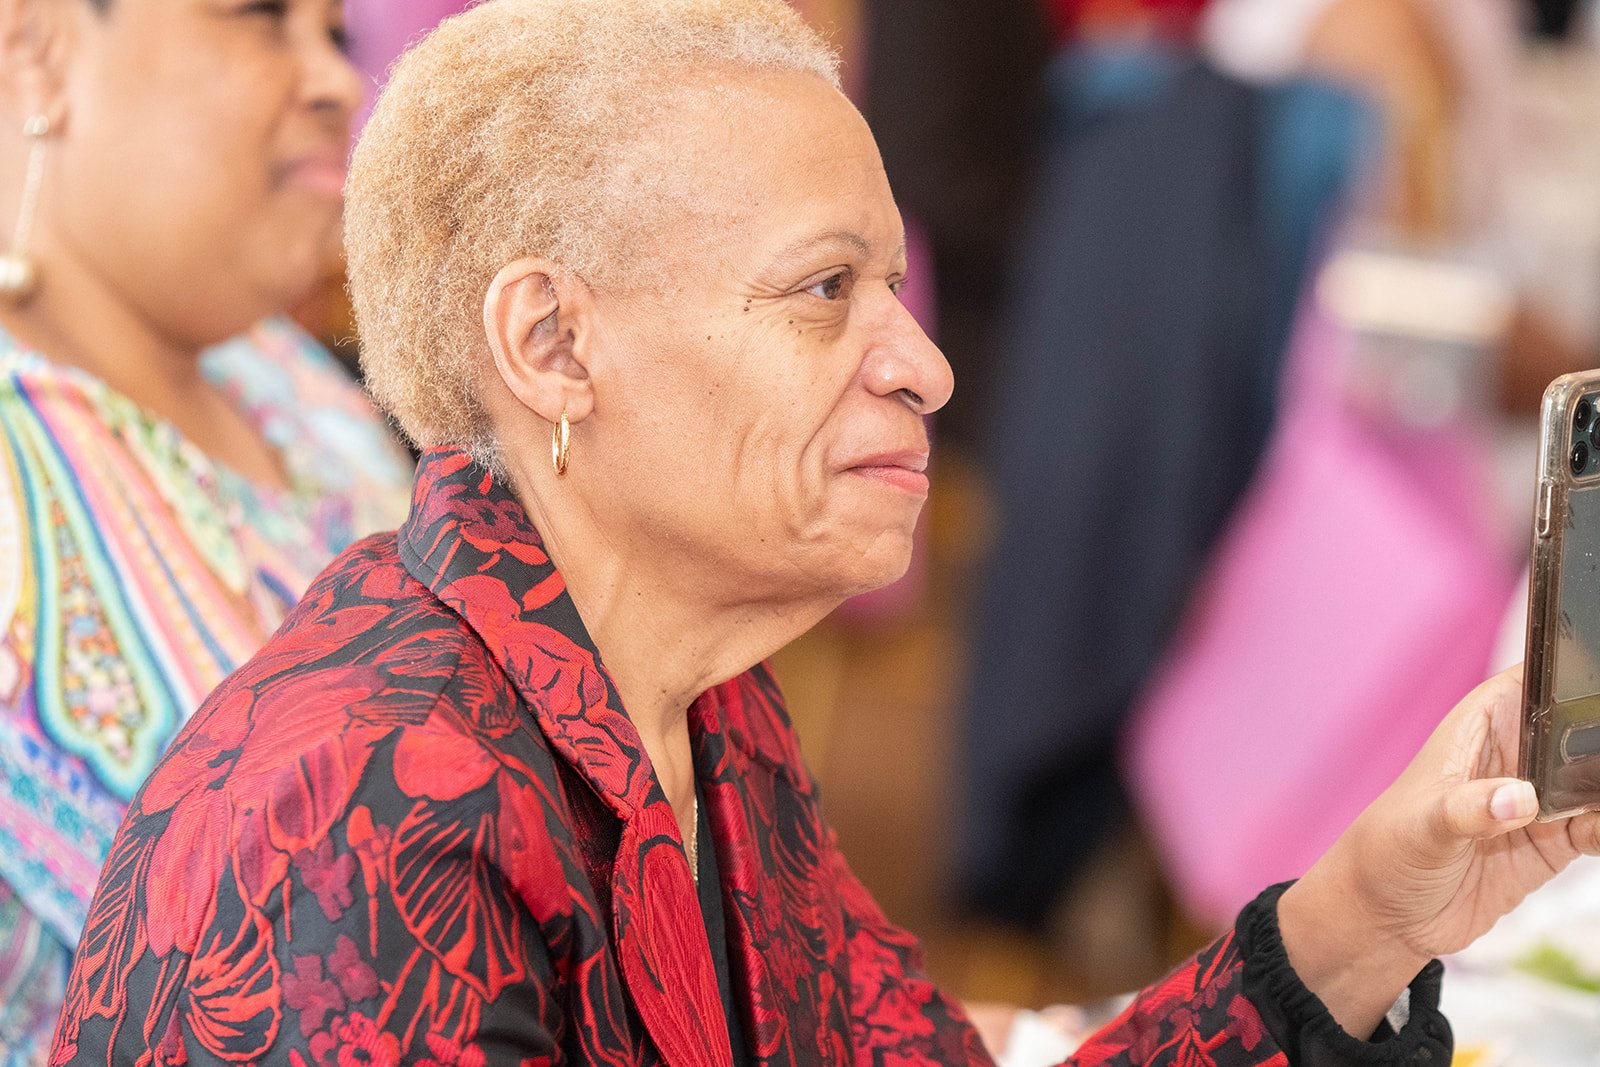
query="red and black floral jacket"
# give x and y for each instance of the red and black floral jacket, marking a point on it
(418, 827)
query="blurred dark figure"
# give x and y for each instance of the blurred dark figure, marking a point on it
(1155, 281)
(1555, 18)
(952, 91)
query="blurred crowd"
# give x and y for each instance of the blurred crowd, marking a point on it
(1250, 304)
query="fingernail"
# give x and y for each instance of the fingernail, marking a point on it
(1515, 800)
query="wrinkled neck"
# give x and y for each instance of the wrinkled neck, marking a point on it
(664, 639)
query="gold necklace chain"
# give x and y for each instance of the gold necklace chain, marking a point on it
(694, 838)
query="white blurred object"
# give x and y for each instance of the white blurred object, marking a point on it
(1512, 644)
(1516, 1021)
(1424, 328)
(1040, 1039)
(1493, 997)
(1426, 298)
(1259, 40)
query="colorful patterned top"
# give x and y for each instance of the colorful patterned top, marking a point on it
(135, 574)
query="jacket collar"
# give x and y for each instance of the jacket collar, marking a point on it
(471, 543)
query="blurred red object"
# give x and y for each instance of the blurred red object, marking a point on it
(1078, 18)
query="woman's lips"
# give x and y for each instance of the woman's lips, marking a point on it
(323, 174)
(904, 470)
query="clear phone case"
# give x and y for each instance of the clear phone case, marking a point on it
(1560, 750)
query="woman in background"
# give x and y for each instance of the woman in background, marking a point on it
(176, 461)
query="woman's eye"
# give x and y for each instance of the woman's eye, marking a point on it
(271, 8)
(340, 36)
(832, 287)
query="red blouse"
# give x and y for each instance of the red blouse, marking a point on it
(418, 827)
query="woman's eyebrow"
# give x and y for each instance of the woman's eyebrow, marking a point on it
(849, 239)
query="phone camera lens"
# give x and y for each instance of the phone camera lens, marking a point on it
(1580, 458)
(1584, 413)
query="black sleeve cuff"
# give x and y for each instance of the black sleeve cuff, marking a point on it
(1302, 1026)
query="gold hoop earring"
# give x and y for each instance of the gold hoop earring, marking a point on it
(18, 272)
(561, 445)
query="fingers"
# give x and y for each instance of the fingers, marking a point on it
(1584, 833)
(1505, 687)
(1478, 738)
(1485, 808)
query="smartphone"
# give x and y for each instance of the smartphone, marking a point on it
(1560, 747)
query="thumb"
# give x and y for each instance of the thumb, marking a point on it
(1487, 807)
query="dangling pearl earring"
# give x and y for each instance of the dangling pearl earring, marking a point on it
(18, 274)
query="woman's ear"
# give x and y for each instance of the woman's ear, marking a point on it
(36, 40)
(539, 321)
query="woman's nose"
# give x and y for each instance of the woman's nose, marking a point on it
(331, 83)
(904, 361)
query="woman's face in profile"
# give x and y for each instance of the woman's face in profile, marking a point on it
(202, 152)
(767, 401)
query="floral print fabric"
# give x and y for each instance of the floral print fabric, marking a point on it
(418, 827)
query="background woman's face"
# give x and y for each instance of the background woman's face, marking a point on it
(762, 411)
(201, 162)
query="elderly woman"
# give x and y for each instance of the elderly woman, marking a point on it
(177, 460)
(510, 785)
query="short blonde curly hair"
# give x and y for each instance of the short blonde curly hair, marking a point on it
(516, 129)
